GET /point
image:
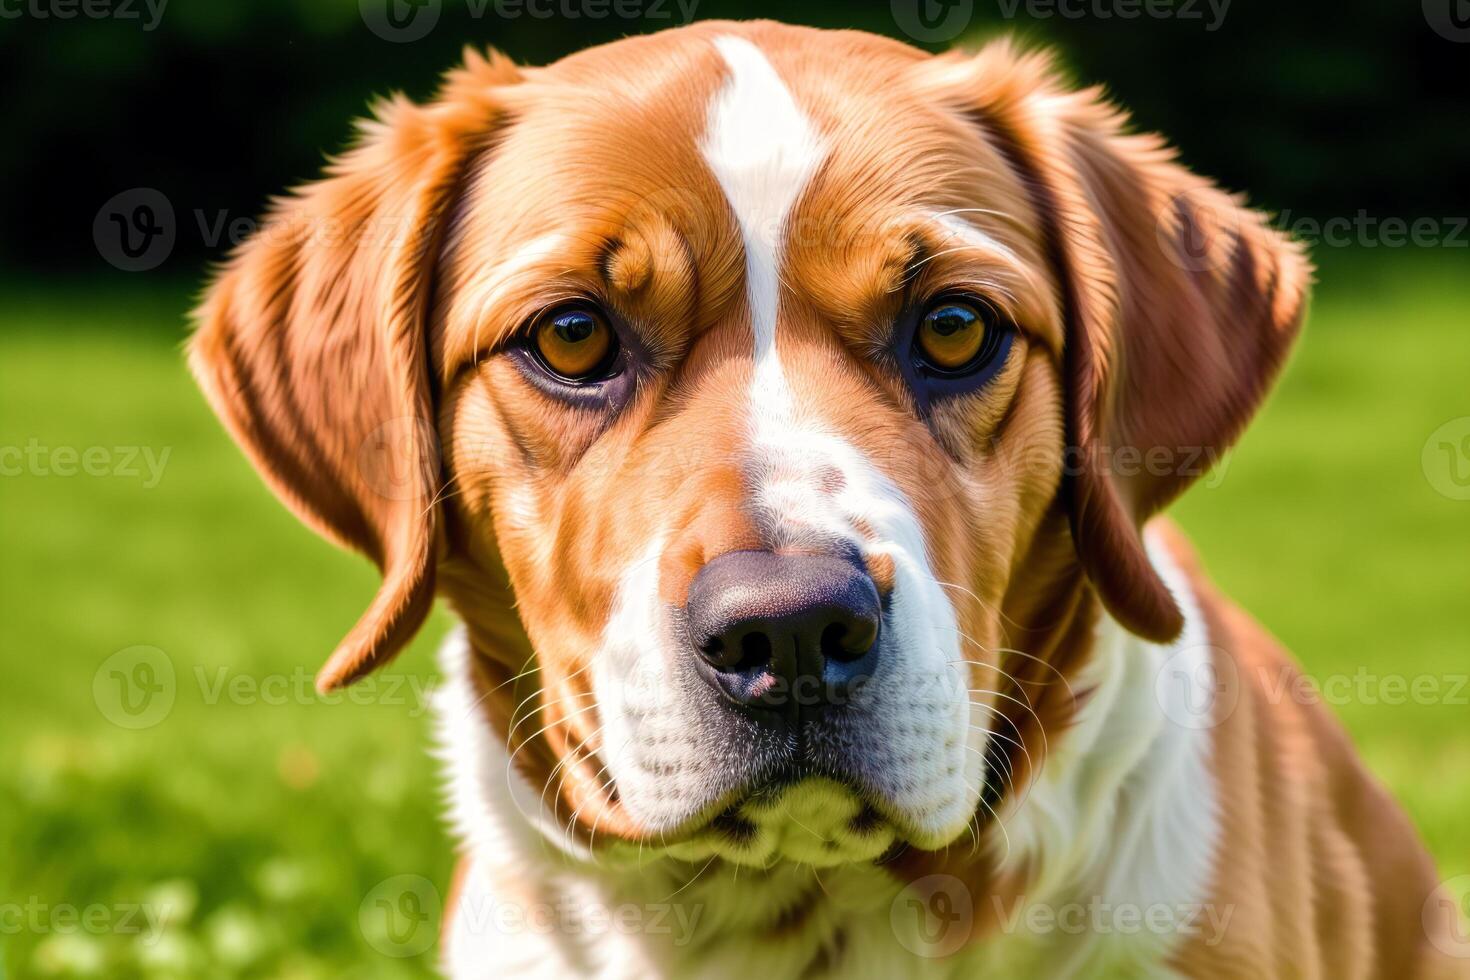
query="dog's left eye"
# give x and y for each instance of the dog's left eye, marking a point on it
(956, 337)
(576, 343)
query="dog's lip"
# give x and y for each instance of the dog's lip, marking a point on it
(768, 790)
(604, 810)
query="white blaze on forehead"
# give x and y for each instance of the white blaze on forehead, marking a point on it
(763, 150)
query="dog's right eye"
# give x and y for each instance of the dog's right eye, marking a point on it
(952, 335)
(957, 338)
(575, 343)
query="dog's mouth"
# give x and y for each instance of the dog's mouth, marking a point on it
(815, 821)
(791, 815)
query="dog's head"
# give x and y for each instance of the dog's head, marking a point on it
(770, 403)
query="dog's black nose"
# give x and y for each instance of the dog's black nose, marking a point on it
(784, 631)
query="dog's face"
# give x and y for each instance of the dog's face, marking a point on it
(731, 413)
(779, 381)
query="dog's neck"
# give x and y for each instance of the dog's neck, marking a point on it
(1052, 840)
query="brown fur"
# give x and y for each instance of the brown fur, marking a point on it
(366, 379)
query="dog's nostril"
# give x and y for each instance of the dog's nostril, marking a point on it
(713, 650)
(755, 651)
(751, 651)
(845, 642)
(831, 644)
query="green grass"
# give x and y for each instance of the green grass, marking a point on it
(262, 826)
(1327, 529)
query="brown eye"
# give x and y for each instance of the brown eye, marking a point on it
(952, 335)
(576, 344)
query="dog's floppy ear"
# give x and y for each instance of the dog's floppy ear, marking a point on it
(311, 345)
(1181, 305)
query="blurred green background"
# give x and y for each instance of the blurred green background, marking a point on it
(262, 819)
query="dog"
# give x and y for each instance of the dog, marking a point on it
(785, 415)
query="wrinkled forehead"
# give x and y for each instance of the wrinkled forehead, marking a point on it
(662, 173)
